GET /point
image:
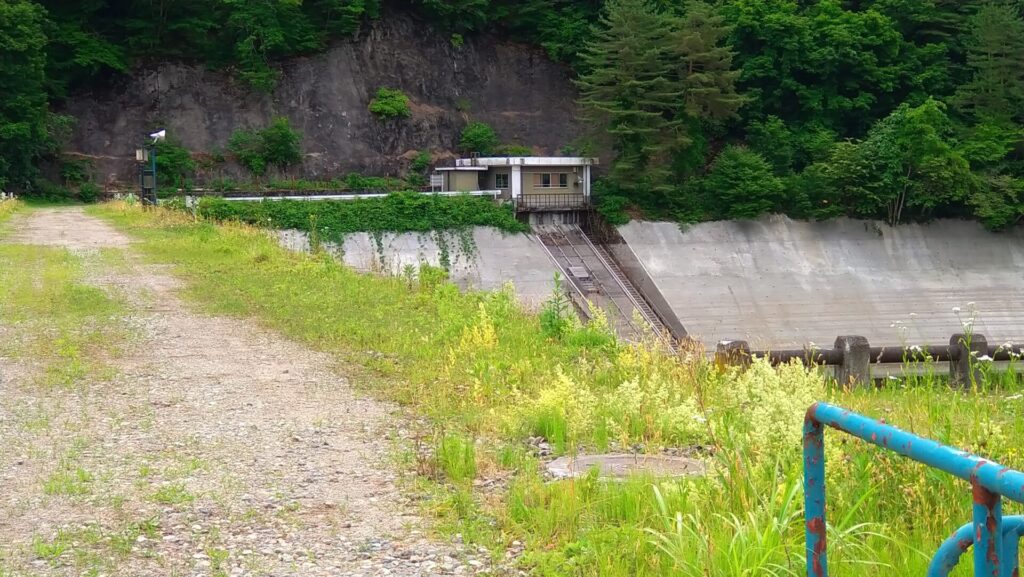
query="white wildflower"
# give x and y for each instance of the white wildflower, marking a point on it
(956, 310)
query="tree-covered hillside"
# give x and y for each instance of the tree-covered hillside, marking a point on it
(893, 109)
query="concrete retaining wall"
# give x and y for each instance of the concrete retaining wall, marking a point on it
(779, 283)
(496, 258)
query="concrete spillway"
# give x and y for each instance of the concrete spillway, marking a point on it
(491, 259)
(781, 284)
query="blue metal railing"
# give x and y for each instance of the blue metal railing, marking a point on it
(990, 482)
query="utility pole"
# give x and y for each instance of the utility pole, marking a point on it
(146, 159)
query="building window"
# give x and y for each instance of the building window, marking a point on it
(551, 180)
(501, 181)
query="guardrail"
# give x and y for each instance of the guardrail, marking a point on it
(853, 356)
(989, 533)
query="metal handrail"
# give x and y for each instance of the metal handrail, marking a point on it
(948, 556)
(989, 482)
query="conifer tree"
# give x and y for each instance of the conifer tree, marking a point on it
(630, 91)
(995, 53)
(705, 64)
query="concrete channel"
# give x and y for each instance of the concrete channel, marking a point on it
(596, 280)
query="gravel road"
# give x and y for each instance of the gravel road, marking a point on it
(216, 448)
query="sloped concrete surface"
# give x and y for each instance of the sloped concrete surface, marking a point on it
(780, 283)
(491, 259)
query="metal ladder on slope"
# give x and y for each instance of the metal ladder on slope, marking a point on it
(631, 291)
(636, 298)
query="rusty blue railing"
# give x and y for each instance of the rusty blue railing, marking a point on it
(989, 533)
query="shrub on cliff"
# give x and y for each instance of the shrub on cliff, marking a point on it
(390, 103)
(478, 137)
(277, 144)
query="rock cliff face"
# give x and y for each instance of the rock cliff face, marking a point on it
(527, 98)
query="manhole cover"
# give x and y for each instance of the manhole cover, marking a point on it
(619, 466)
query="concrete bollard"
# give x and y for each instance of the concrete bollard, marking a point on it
(965, 371)
(855, 368)
(732, 354)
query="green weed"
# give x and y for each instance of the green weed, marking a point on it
(456, 458)
(75, 481)
(172, 494)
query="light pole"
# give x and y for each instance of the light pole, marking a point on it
(146, 157)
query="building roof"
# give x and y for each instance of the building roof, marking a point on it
(485, 162)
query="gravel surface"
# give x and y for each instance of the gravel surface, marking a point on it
(217, 448)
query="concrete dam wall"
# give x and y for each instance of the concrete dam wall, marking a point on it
(491, 259)
(780, 283)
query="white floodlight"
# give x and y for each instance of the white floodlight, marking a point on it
(158, 136)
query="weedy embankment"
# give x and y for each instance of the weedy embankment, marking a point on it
(486, 377)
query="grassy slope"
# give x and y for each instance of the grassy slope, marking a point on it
(486, 377)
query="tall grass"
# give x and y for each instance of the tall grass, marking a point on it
(7, 209)
(477, 367)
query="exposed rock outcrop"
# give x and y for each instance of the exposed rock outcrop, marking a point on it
(526, 97)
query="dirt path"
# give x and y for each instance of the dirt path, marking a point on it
(218, 448)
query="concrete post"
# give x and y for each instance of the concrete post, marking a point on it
(964, 369)
(855, 368)
(732, 354)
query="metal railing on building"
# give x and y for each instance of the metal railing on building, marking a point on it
(556, 201)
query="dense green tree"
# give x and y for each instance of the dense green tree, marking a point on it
(24, 114)
(995, 54)
(262, 30)
(281, 144)
(741, 185)
(706, 75)
(174, 164)
(342, 17)
(630, 93)
(905, 168)
(461, 15)
(998, 201)
(816, 61)
(278, 144)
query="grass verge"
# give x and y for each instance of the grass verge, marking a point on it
(52, 319)
(488, 377)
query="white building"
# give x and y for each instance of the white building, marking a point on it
(530, 182)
